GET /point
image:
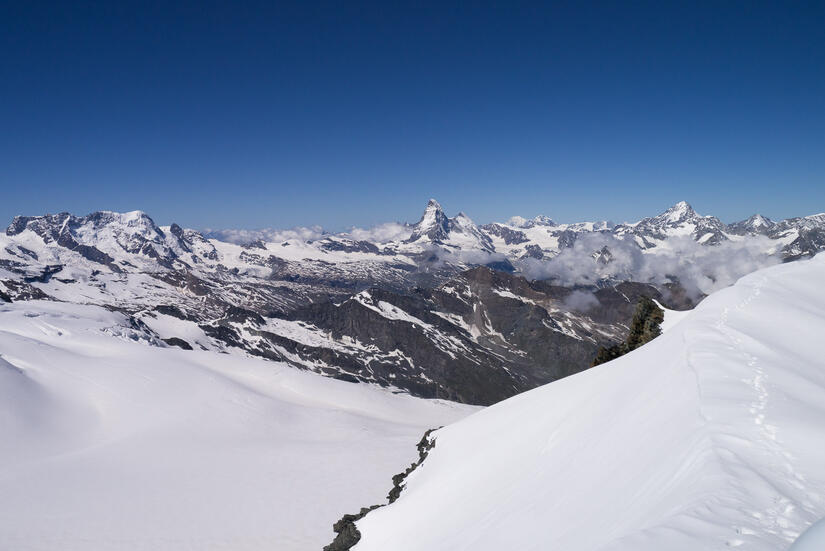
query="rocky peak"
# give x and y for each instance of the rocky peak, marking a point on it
(756, 224)
(677, 214)
(434, 224)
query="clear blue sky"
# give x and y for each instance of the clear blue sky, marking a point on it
(271, 114)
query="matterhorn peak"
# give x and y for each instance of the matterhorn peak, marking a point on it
(434, 224)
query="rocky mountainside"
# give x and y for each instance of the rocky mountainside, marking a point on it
(441, 308)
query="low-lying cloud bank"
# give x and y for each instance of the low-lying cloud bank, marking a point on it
(243, 237)
(594, 257)
(701, 269)
(382, 233)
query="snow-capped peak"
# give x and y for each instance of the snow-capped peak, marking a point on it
(434, 224)
(759, 221)
(756, 224)
(679, 212)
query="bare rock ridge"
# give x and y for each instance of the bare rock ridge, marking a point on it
(347, 534)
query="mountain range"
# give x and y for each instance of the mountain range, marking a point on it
(440, 308)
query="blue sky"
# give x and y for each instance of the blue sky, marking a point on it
(338, 114)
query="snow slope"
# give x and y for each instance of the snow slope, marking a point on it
(109, 443)
(712, 436)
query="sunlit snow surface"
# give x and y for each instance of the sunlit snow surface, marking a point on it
(710, 437)
(111, 444)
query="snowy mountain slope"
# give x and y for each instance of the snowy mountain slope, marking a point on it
(110, 441)
(709, 437)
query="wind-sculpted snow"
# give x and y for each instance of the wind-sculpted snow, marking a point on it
(708, 437)
(109, 441)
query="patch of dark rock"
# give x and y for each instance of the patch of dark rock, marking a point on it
(174, 311)
(242, 315)
(346, 377)
(645, 327)
(424, 446)
(45, 275)
(19, 290)
(347, 533)
(4, 297)
(180, 343)
(501, 266)
(533, 251)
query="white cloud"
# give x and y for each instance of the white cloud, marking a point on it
(701, 269)
(266, 234)
(382, 233)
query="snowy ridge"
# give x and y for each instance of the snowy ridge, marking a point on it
(709, 437)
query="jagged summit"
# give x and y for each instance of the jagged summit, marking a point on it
(64, 221)
(436, 227)
(434, 224)
(680, 212)
(114, 239)
(756, 224)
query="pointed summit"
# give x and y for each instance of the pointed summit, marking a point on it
(434, 224)
(680, 212)
(758, 221)
(756, 224)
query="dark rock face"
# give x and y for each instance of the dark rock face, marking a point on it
(807, 244)
(510, 236)
(424, 446)
(533, 251)
(349, 246)
(479, 338)
(567, 239)
(20, 290)
(645, 326)
(45, 274)
(180, 343)
(347, 534)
